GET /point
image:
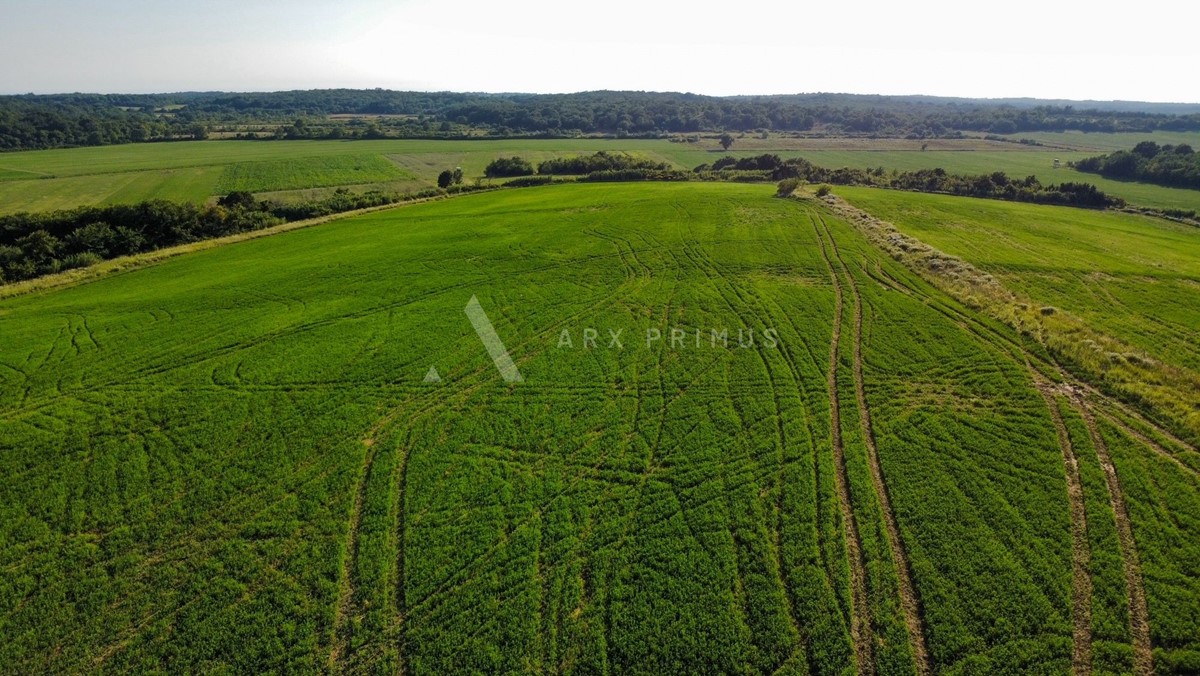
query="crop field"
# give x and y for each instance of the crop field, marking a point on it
(1133, 278)
(296, 454)
(1098, 143)
(199, 170)
(47, 194)
(308, 173)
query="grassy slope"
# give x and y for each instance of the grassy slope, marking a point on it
(218, 460)
(194, 170)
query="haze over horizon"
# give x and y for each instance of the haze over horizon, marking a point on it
(930, 47)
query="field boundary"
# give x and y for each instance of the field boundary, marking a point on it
(885, 236)
(975, 288)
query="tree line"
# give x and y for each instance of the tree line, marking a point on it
(578, 165)
(30, 122)
(996, 185)
(1176, 166)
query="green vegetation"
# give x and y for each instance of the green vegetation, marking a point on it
(34, 245)
(32, 122)
(230, 461)
(996, 185)
(191, 171)
(508, 166)
(787, 187)
(310, 172)
(1177, 166)
(601, 161)
(1129, 278)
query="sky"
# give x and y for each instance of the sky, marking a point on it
(1017, 48)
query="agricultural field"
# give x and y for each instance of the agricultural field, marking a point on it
(295, 453)
(276, 175)
(293, 170)
(1131, 278)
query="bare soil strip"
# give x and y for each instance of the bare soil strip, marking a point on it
(1139, 613)
(860, 616)
(909, 601)
(1081, 553)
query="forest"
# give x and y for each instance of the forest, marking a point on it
(29, 122)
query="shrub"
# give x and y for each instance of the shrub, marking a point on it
(601, 161)
(80, 260)
(508, 166)
(529, 181)
(787, 186)
(823, 190)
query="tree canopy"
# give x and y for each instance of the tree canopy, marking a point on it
(64, 120)
(1176, 166)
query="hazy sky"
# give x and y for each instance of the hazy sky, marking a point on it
(1040, 48)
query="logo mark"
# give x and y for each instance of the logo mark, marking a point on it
(492, 343)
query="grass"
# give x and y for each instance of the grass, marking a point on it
(1094, 143)
(1130, 278)
(292, 174)
(198, 170)
(229, 460)
(184, 185)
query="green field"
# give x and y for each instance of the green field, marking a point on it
(293, 174)
(230, 461)
(1097, 143)
(200, 170)
(1134, 277)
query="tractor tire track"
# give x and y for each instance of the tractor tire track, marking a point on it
(340, 651)
(1081, 553)
(909, 601)
(1139, 613)
(860, 615)
(1138, 609)
(695, 252)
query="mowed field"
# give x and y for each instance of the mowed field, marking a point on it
(231, 461)
(293, 170)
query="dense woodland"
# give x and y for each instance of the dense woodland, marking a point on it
(31, 122)
(1175, 166)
